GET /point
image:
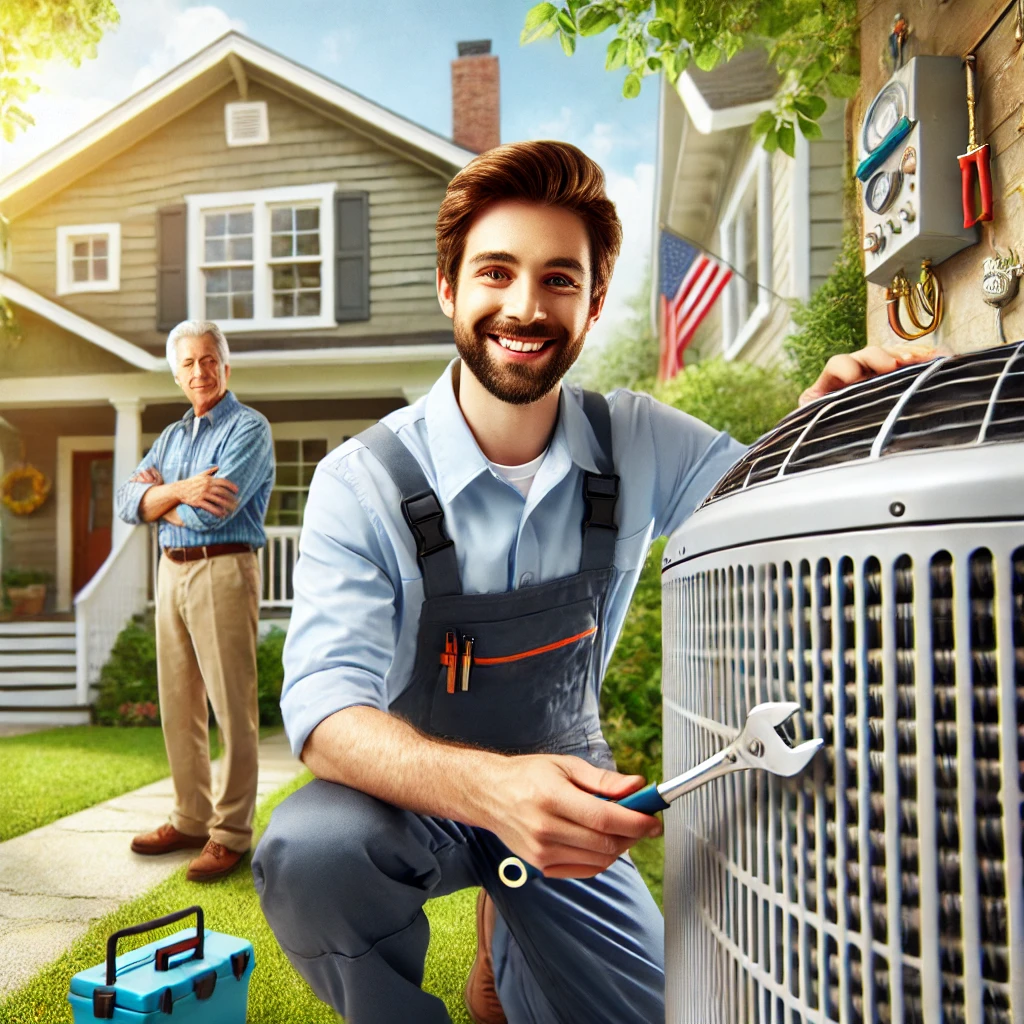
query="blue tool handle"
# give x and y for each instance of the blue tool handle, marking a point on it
(647, 800)
(870, 163)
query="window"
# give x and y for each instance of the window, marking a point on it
(258, 260)
(746, 243)
(88, 258)
(295, 462)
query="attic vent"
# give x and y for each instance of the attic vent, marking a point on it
(246, 124)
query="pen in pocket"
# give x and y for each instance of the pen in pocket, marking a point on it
(467, 660)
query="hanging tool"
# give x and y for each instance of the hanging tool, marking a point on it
(975, 164)
(758, 745)
(999, 286)
(923, 302)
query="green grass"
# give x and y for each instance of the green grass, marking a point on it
(277, 994)
(53, 773)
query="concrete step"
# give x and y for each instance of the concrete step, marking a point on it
(37, 659)
(9, 643)
(37, 627)
(68, 715)
(37, 677)
(38, 696)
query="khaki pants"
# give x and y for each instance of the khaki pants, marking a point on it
(206, 632)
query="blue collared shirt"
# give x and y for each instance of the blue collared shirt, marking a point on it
(358, 586)
(235, 439)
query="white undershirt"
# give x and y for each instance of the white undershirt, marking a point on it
(520, 477)
(195, 426)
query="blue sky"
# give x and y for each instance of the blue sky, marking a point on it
(397, 53)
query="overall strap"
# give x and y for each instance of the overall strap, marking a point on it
(600, 490)
(421, 509)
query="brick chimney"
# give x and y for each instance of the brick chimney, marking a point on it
(476, 104)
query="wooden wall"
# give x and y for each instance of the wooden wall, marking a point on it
(955, 27)
(47, 350)
(190, 155)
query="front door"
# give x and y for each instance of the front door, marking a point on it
(92, 503)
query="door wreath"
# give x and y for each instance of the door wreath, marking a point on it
(24, 489)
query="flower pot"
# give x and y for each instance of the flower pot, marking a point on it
(28, 600)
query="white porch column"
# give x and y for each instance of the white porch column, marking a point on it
(127, 451)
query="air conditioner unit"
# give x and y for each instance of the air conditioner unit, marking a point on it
(866, 559)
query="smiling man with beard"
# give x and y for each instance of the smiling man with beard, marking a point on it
(466, 566)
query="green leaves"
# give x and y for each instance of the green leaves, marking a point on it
(539, 24)
(616, 55)
(33, 34)
(595, 19)
(811, 43)
(842, 86)
(787, 138)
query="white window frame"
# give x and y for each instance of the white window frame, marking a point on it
(66, 285)
(758, 172)
(262, 201)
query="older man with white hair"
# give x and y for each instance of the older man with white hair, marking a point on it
(207, 481)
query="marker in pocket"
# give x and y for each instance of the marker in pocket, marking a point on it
(467, 660)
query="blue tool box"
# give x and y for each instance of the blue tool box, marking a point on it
(200, 976)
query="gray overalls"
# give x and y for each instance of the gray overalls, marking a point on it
(343, 876)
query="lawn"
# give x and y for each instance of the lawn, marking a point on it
(48, 775)
(277, 994)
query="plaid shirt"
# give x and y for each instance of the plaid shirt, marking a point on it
(235, 439)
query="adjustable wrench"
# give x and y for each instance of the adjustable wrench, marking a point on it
(757, 746)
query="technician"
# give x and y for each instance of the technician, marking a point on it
(466, 566)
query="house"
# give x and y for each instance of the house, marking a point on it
(240, 187)
(776, 220)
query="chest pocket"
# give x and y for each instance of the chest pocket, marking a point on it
(631, 551)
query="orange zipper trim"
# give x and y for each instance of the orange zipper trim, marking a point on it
(537, 650)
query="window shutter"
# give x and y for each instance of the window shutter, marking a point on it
(171, 282)
(351, 256)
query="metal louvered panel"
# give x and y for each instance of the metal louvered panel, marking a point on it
(958, 401)
(886, 884)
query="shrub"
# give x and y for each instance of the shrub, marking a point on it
(129, 676)
(128, 688)
(25, 577)
(631, 694)
(741, 398)
(834, 321)
(270, 673)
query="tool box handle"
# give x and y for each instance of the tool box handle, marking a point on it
(167, 951)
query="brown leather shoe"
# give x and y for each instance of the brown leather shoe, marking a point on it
(214, 862)
(481, 995)
(166, 839)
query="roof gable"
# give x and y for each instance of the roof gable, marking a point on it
(232, 57)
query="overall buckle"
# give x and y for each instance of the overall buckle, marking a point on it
(600, 495)
(425, 517)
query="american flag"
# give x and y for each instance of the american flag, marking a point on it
(691, 280)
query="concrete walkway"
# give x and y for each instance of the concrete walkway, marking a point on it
(57, 880)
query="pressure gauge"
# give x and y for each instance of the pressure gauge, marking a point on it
(885, 111)
(881, 191)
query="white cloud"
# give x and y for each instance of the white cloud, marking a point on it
(180, 33)
(633, 195)
(153, 37)
(337, 44)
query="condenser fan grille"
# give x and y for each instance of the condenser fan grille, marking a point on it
(969, 399)
(886, 883)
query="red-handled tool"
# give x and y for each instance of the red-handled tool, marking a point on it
(975, 164)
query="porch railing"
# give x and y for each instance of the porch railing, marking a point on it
(105, 605)
(277, 566)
